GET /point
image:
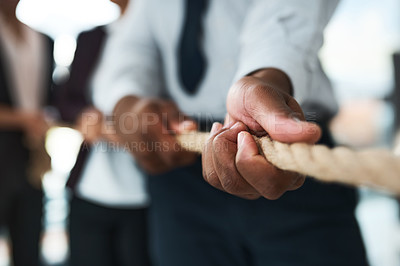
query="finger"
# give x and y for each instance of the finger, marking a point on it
(209, 173)
(224, 153)
(269, 181)
(298, 183)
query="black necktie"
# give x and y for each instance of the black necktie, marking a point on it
(191, 59)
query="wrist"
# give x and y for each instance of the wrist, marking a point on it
(125, 105)
(122, 114)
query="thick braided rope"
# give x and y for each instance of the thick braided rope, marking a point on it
(376, 168)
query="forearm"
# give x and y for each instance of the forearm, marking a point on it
(10, 118)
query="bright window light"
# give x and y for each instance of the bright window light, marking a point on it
(66, 17)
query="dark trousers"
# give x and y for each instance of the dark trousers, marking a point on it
(107, 236)
(22, 216)
(191, 223)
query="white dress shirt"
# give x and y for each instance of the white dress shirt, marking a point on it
(240, 36)
(110, 177)
(27, 68)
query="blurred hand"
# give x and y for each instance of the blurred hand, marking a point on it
(34, 125)
(260, 105)
(149, 128)
(93, 127)
(90, 124)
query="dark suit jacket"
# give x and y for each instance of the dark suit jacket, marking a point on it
(74, 95)
(14, 155)
(395, 97)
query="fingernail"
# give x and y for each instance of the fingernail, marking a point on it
(240, 139)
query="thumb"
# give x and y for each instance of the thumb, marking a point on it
(282, 118)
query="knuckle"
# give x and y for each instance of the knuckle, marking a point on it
(272, 195)
(273, 191)
(218, 139)
(299, 182)
(212, 178)
(210, 175)
(219, 143)
(213, 181)
(254, 89)
(245, 83)
(229, 183)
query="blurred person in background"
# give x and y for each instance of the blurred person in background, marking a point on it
(252, 60)
(26, 66)
(109, 201)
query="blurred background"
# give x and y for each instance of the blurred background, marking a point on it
(358, 54)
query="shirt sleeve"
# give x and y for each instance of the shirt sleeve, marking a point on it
(131, 63)
(286, 35)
